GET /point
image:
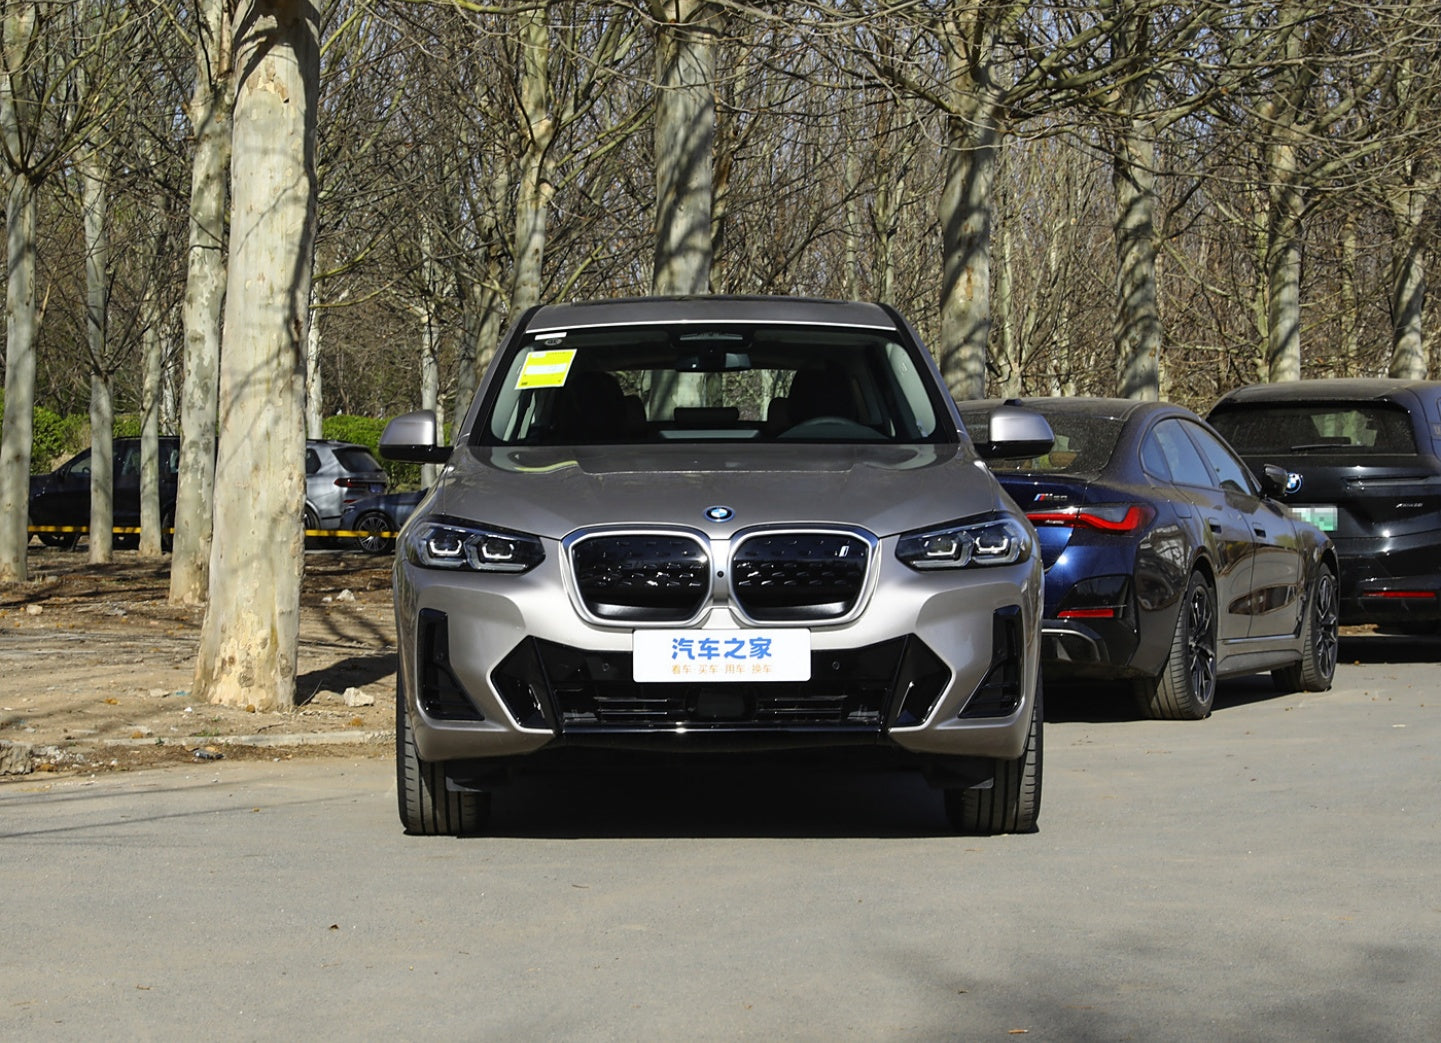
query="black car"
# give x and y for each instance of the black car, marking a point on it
(60, 500)
(1363, 462)
(1168, 563)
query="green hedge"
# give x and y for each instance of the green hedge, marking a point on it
(366, 431)
(56, 437)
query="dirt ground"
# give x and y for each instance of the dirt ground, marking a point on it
(96, 668)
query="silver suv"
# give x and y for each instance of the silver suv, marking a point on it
(716, 525)
(337, 475)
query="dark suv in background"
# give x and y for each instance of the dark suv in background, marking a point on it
(1363, 463)
(61, 499)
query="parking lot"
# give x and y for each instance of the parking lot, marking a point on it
(1269, 873)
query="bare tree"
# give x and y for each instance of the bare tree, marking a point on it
(684, 132)
(209, 114)
(249, 639)
(47, 111)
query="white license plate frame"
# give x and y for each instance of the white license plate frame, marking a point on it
(721, 656)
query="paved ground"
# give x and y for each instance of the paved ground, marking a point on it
(1267, 874)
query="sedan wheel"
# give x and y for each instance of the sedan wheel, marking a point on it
(1187, 685)
(372, 525)
(1320, 644)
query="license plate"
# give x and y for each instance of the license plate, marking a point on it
(1324, 518)
(722, 655)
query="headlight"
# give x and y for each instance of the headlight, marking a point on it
(449, 543)
(994, 541)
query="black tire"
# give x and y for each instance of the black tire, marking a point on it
(1186, 687)
(1320, 643)
(60, 540)
(167, 530)
(1013, 802)
(427, 807)
(373, 523)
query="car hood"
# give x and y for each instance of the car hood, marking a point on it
(552, 492)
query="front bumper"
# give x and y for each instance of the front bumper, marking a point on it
(936, 664)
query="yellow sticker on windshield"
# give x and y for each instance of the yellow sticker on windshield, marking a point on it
(545, 369)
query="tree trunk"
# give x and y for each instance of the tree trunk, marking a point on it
(1408, 279)
(314, 382)
(965, 216)
(684, 133)
(532, 205)
(102, 470)
(18, 432)
(1138, 319)
(93, 191)
(249, 639)
(1283, 270)
(150, 514)
(1008, 344)
(204, 300)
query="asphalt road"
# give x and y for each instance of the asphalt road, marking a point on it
(1268, 874)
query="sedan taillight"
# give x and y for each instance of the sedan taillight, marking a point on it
(1105, 517)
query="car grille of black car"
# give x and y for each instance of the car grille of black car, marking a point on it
(583, 694)
(798, 576)
(642, 577)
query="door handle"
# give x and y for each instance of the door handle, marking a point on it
(1259, 532)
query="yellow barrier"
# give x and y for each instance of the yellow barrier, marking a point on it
(132, 530)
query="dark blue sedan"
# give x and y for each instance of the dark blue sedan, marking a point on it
(1168, 563)
(375, 521)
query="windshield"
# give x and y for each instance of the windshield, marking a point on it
(1331, 427)
(683, 383)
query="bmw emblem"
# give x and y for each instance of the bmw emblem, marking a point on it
(719, 514)
(1293, 482)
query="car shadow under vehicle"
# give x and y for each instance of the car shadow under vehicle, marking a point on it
(749, 798)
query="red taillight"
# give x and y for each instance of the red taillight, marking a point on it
(1088, 613)
(1411, 595)
(356, 483)
(1106, 517)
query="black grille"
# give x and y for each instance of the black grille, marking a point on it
(791, 576)
(862, 691)
(642, 577)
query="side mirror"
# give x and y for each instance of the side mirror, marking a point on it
(412, 436)
(1273, 479)
(1016, 433)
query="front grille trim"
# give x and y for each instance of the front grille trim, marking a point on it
(621, 595)
(848, 597)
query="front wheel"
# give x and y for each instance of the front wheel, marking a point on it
(1186, 687)
(1320, 643)
(1012, 804)
(427, 807)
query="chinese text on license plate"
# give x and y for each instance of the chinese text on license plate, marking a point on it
(722, 655)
